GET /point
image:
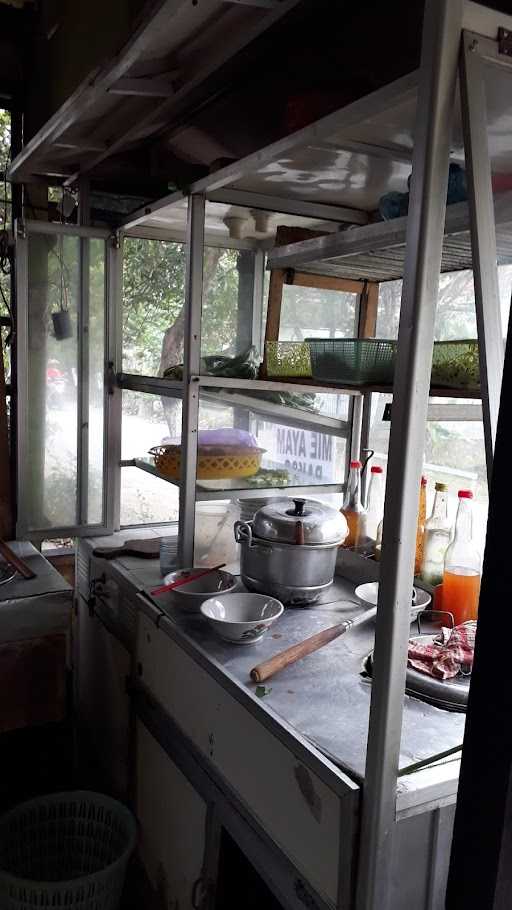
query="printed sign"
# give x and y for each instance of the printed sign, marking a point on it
(305, 452)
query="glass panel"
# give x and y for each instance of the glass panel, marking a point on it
(147, 421)
(96, 379)
(317, 313)
(51, 475)
(455, 317)
(153, 296)
(454, 454)
(146, 499)
(228, 283)
(57, 373)
(292, 456)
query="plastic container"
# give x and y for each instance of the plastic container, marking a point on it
(455, 364)
(375, 502)
(65, 850)
(353, 361)
(168, 555)
(213, 462)
(287, 358)
(461, 579)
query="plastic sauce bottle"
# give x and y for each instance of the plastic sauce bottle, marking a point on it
(436, 538)
(375, 502)
(461, 579)
(353, 508)
(420, 532)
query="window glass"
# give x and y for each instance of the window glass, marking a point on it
(454, 454)
(153, 296)
(153, 300)
(147, 421)
(316, 313)
(455, 316)
(228, 284)
(291, 456)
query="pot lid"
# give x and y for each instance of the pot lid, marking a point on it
(300, 521)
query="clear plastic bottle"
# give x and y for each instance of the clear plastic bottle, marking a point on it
(436, 539)
(461, 579)
(420, 531)
(375, 502)
(353, 508)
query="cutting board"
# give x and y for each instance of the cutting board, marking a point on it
(145, 549)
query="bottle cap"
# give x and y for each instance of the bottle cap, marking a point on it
(355, 464)
(423, 481)
(442, 487)
(465, 494)
(376, 469)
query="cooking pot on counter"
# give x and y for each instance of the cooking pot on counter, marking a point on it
(289, 549)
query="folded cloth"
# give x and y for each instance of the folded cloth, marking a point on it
(447, 656)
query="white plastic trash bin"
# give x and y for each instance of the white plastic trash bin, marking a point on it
(66, 850)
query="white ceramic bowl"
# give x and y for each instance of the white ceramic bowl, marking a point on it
(189, 597)
(241, 619)
(368, 594)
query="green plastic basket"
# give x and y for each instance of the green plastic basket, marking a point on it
(353, 361)
(455, 364)
(288, 358)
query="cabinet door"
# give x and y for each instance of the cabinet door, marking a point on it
(66, 280)
(172, 819)
(102, 666)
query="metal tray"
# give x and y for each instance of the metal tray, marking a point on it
(450, 694)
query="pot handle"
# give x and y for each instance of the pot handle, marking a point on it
(243, 532)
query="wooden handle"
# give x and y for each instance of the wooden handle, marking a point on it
(279, 661)
(15, 561)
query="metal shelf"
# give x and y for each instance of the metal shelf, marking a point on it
(243, 490)
(377, 251)
(231, 391)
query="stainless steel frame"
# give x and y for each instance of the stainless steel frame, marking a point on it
(82, 423)
(191, 367)
(483, 236)
(425, 229)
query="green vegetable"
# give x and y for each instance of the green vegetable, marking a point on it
(261, 691)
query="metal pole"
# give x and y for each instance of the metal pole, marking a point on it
(113, 397)
(191, 367)
(483, 238)
(257, 300)
(83, 359)
(427, 209)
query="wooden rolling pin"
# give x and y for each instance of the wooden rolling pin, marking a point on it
(279, 661)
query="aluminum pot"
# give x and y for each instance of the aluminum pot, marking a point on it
(289, 549)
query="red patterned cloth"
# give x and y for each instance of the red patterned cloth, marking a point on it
(450, 654)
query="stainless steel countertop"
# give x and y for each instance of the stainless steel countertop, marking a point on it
(324, 697)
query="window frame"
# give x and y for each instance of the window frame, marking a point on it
(23, 231)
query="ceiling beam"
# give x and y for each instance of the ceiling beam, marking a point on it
(148, 88)
(269, 203)
(264, 4)
(156, 18)
(240, 39)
